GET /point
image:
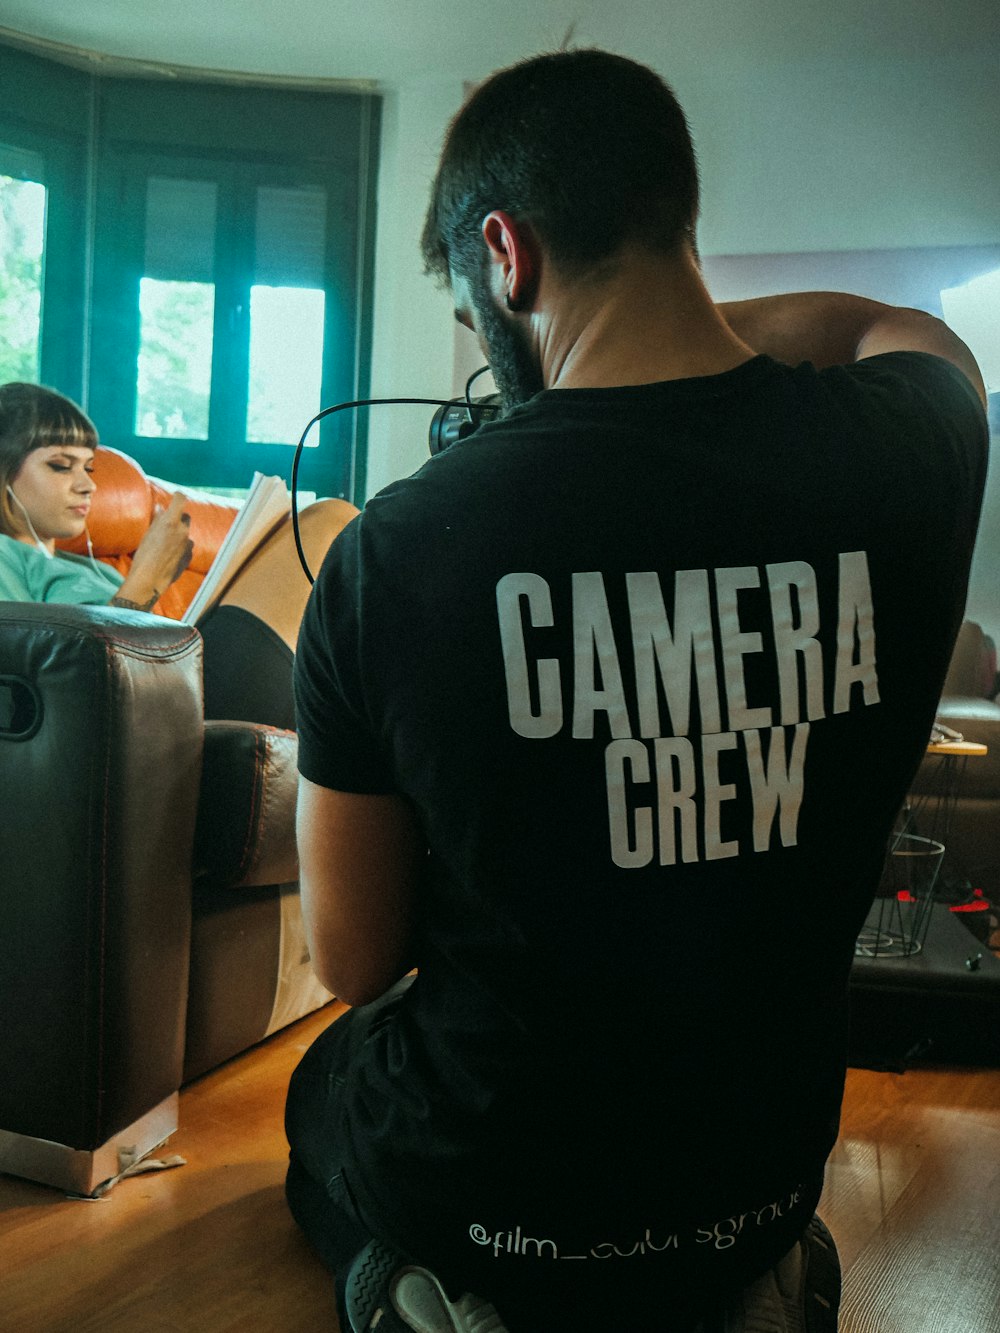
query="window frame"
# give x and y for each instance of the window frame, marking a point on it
(54, 127)
(98, 134)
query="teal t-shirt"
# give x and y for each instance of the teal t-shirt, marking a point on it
(28, 575)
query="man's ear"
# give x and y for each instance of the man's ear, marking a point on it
(515, 259)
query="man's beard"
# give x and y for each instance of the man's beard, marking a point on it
(517, 373)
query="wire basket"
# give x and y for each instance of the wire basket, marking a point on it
(897, 924)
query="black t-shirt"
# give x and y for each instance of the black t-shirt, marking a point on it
(654, 667)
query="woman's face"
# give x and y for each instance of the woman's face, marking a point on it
(54, 484)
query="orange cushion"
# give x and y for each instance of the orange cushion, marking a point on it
(177, 597)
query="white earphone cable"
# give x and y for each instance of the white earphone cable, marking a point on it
(31, 527)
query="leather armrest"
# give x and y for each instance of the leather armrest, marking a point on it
(245, 832)
(100, 759)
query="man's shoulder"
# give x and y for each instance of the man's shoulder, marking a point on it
(913, 374)
(462, 474)
(913, 401)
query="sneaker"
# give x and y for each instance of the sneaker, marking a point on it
(420, 1301)
(386, 1295)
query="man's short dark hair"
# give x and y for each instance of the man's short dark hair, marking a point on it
(590, 148)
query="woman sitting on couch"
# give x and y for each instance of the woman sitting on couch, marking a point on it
(47, 449)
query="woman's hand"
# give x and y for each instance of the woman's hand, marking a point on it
(163, 555)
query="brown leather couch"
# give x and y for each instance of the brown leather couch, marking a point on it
(148, 878)
(969, 705)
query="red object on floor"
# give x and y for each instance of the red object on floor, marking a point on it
(977, 903)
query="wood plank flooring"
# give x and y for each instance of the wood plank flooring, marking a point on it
(913, 1199)
(205, 1248)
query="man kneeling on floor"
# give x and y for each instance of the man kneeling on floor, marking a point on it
(604, 719)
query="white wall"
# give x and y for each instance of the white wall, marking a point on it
(983, 603)
(872, 152)
(413, 352)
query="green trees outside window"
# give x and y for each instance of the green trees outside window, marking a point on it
(22, 238)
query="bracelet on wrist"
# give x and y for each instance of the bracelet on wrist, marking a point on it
(127, 604)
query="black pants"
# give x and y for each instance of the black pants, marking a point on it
(247, 669)
(318, 1194)
(800, 1295)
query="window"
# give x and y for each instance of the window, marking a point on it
(287, 313)
(43, 241)
(22, 245)
(176, 310)
(286, 364)
(188, 260)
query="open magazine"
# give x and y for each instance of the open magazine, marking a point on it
(266, 505)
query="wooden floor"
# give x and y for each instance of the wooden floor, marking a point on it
(913, 1199)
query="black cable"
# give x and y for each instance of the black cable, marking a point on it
(469, 383)
(341, 407)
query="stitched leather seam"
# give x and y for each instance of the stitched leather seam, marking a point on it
(246, 860)
(112, 640)
(263, 822)
(102, 931)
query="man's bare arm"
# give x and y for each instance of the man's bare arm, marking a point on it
(359, 860)
(833, 328)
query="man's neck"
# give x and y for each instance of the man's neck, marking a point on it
(649, 319)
